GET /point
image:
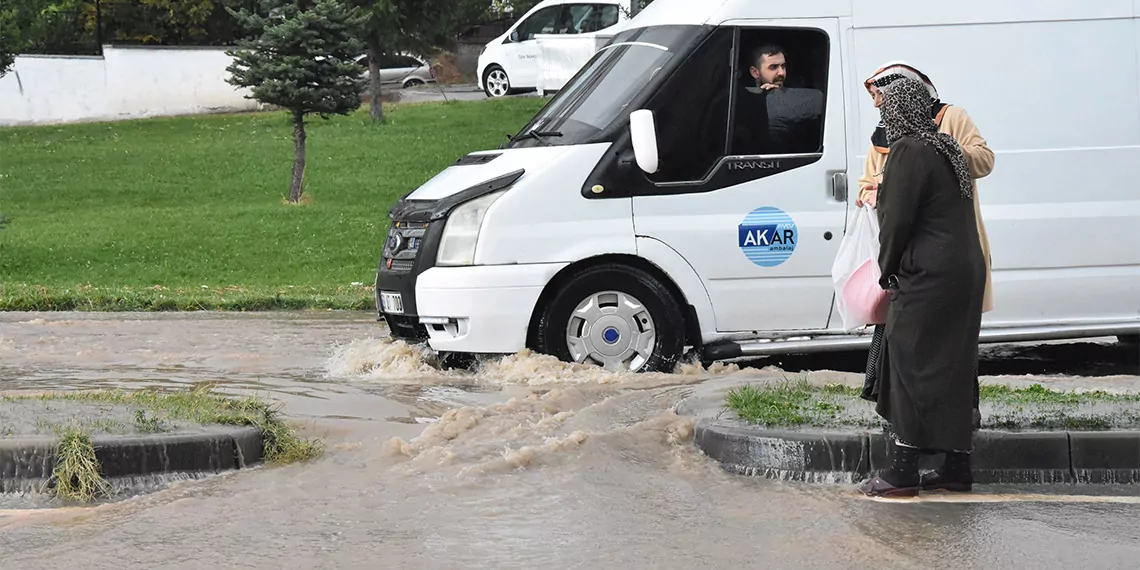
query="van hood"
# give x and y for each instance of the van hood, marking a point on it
(480, 167)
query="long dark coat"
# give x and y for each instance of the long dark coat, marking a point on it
(933, 264)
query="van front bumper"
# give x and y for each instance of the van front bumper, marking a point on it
(480, 309)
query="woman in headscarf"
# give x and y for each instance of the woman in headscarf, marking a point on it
(934, 267)
(954, 121)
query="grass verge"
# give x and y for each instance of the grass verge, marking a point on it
(140, 215)
(23, 297)
(76, 475)
(789, 403)
(797, 403)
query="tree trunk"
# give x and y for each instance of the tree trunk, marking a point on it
(375, 105)
(295, 188)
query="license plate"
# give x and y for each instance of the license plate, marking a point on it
(392, 303)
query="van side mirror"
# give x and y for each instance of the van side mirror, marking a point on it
(643, 133)
(514, 36)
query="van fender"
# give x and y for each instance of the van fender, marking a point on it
(677, 268)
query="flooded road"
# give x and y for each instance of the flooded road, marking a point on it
(526, 463)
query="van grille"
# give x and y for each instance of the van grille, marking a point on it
(405, 239)
(401, 266)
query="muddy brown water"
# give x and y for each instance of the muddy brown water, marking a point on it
(525, 463)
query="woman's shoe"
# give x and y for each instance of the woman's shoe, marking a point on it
(935, 481)
(900, 480)
(955, 475)
(878, 487)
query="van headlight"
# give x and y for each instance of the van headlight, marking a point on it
(461, 233)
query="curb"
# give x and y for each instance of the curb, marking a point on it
(837, 456)
(849, 457)
(209, 450)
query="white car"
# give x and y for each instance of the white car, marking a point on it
(626, 224)
(404, 70)
(511, 62)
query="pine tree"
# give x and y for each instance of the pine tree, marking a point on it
(7, 41)
(300, 56)
(7, 59)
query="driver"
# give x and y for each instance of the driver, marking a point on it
(772, 117)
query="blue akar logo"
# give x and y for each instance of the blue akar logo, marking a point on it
(767, 236)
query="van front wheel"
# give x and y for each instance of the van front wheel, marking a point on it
(620, 318)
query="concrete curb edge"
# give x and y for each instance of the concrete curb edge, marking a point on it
(211, 450)
(848, 457)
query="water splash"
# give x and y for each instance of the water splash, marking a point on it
(35, 494)
(539, 429)
(372, 358)
(797, 476)
(1109, 476)
(396, 361)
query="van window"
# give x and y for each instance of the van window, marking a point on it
(691, 112)
(600, 95)
(587, 18)
(787, 120)
(695, 127)
(541, 22)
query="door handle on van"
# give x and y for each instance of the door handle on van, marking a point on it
(839, 185)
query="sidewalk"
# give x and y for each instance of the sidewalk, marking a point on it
(850, 454)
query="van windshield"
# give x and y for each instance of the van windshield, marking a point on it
(606, 86)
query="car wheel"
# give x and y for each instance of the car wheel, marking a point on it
(413, 83)
(618, 317)
(496, 83)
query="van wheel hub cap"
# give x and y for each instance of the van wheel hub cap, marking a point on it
(612, 329)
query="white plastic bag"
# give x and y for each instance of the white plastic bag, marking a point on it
(855, 274)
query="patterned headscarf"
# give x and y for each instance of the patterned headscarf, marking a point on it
(896, 70)
(906, 112)
(889, 73)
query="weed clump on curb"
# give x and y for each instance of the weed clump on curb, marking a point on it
(76, 475)
(77, 472)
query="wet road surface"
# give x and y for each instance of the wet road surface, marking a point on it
(526, 463)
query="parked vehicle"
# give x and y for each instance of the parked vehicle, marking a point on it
(511, 62)
(404, 70)
(626, 223)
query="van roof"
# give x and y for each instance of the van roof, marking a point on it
(880, 13)
(546, 3)
(666, 12)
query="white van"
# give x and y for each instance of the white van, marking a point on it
(513, 62)
(572, 242)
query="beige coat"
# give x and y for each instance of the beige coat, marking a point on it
(956, 123)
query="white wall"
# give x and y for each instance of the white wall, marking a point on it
(125, 83)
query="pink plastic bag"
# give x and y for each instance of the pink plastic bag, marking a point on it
(865, 300)
(855, 274)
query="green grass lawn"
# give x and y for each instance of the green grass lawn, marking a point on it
(798, 404)
(188, 212)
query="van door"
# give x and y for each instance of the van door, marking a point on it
(522, 54)
(751, 187)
